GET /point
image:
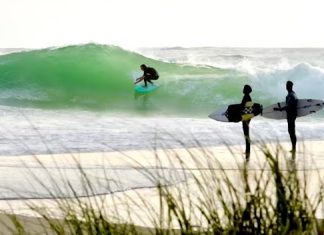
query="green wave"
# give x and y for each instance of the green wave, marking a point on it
(100, 77)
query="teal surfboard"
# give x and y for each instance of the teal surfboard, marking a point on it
(144, 90)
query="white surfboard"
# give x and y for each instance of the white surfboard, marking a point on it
(304, 107)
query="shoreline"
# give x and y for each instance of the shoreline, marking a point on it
(147, 157)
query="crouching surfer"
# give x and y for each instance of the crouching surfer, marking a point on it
(148, 75)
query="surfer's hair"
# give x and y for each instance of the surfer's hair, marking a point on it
(247, 89)
(143, 66)
(289, 84)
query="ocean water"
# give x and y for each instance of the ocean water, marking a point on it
(193, 81)
(84, 93)
(81, 99)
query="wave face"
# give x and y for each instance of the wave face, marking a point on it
(99, 77)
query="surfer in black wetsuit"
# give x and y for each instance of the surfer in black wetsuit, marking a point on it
(149, 74)
(245, 123)
(291, 109)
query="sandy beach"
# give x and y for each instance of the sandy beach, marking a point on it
(131, 168)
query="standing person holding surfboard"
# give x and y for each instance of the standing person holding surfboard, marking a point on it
(149, 74)
(245, 123)
(291, 109)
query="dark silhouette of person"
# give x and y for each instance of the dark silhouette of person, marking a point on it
(291, 109)
(245, 123)
(148, 75)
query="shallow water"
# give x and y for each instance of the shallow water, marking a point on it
(36, 131)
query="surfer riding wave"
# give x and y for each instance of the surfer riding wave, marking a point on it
(149, 75)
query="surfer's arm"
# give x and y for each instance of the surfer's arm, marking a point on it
(139, 79)
(246, 98)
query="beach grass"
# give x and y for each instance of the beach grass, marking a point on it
(207, 198)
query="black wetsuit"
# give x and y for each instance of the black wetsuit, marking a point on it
(150, 74)
(245, 124)
(291, 109)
